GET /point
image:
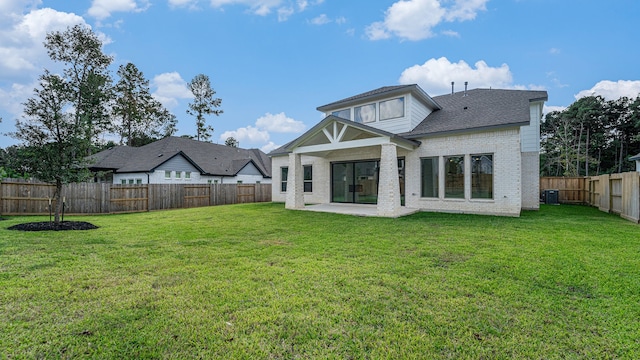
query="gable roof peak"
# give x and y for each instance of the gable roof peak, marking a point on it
(381, 93)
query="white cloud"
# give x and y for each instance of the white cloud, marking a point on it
(12, 99)
(23, 28)
(280, 123)
(191, 4)
(611, 90)
(21, 50)
(415, 19)
(436, 75)
(320, 20)
(258, 7)
(284, 9)
(549, 108)
(269, 147)
(464, 10)
(260, 133)
(247, 134)
(102, 9)
(170, 87)
(284, 13)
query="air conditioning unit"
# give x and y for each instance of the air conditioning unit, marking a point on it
(551, 197)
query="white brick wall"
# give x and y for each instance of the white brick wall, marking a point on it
(507, 171)
(505, 147)
(531, 180)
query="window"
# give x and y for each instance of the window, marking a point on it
(454, 177)
(167, 174)
(178, 174)
(187, 175)
(239, 181)
(138, 181)
(365, 113)
(345, 114)
(308, 177)
(209, 181)
(429, 177)
(482, 176)
(284, 171)
(215, 181)
(392, 109)
(123, 182)
(131, 181)
(258, 182)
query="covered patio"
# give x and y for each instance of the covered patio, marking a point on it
(335, 134)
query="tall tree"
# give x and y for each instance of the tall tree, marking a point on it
(203, 104)
(54, 144)
(231, 141)
(590, 137)
(142, 118)
(86, 73)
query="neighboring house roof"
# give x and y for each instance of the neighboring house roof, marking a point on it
(478, 109)
(635, 157)
(383, 92)
(208, 158)
(111, 159)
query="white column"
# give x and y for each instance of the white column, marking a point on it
(389, 184)
(295, 189)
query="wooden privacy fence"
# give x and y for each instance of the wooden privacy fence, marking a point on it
(614, 193)
(571, 190)
(22, 197)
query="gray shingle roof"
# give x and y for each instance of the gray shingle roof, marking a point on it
(479, 109)
(210, 159)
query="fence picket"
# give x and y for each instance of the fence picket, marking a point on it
(31, 197)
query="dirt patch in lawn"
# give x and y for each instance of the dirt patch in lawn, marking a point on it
(45, 226)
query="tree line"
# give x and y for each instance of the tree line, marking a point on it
(66, 118)
(593, 136)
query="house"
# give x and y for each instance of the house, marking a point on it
(181, 160)
(636, 158)
(397, 148)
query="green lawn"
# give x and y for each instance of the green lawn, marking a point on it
(259, 282)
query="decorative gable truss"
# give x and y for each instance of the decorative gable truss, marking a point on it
(334, 133)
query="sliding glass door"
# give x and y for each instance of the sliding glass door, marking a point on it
(355, 182)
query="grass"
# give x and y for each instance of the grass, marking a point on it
(257, 281)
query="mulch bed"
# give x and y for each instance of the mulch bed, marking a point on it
(45, 225)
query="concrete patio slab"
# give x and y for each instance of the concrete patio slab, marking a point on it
(355, 209)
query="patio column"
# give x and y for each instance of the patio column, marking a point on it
(295, 189)
(389, 185)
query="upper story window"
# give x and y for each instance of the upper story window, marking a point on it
(391, 109)
(365, 113)
(167, 174)
(345, 114)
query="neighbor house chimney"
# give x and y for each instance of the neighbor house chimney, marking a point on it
(452, 87)
(465, 87)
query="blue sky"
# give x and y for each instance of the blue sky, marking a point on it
(272, 62)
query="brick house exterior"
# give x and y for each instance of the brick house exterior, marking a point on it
(474, 151)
